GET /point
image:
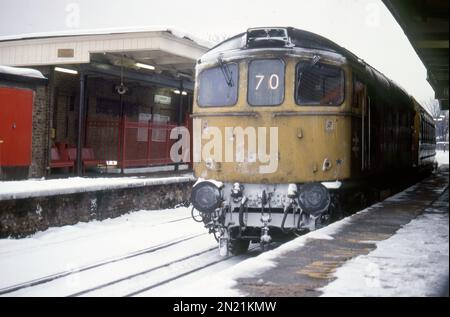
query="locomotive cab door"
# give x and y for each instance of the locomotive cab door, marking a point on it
(361, 128)
(366, 133)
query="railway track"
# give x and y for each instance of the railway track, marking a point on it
(87, 236)
(59, 275)
(129, 278)
(192, 271)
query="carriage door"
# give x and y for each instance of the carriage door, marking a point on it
(361, 135)
(16, 107)
(366, 133)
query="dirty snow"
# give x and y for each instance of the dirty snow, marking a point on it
(223, 284)
(413, 262)
(442, 157)
(38, 188)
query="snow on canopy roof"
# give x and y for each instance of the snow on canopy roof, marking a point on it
(106, 31)
(23, 72)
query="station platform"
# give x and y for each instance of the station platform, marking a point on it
(388, 249)
(29, 206)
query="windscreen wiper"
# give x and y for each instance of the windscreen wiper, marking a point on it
(314, 61)
(226, 72)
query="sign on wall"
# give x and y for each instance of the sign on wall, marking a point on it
(165, 100)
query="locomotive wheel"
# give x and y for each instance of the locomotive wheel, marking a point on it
(238, 246)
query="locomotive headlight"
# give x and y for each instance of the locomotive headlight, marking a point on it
(205, 196)
(314, 198)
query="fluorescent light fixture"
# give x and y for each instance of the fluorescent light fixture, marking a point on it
(150, 67)
(66, 70)
(176, 92)
(184, 93)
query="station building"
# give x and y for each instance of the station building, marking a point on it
(108, 103)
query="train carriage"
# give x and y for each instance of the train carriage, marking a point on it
(285, 121)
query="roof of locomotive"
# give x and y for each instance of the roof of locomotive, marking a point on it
(298, 38)
(307, 40)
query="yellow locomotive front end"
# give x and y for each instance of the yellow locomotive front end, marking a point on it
(272, 137)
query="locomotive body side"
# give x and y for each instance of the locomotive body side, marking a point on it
(426, 138)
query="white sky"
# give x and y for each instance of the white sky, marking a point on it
(365, 27)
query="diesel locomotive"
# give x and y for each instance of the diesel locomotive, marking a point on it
(330, 123)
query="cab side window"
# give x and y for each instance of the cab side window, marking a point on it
(319, 84)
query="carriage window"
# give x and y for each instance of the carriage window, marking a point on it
(319, 84)
(266, 82)
(218, 86)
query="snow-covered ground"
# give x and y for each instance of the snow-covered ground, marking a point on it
(223, 284)
(164, 253)
(84, 245)
(114, 257)
(42, 187)
(442, 157)
(73, 247)
(413, 262)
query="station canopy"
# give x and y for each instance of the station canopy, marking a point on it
(425, 23)
(161, 56)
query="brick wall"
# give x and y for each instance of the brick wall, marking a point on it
(40, 132)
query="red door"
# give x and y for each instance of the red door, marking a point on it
(16, 107)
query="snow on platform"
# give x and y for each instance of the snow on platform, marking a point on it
(413, 262)
(38, 188)
(442, 157)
